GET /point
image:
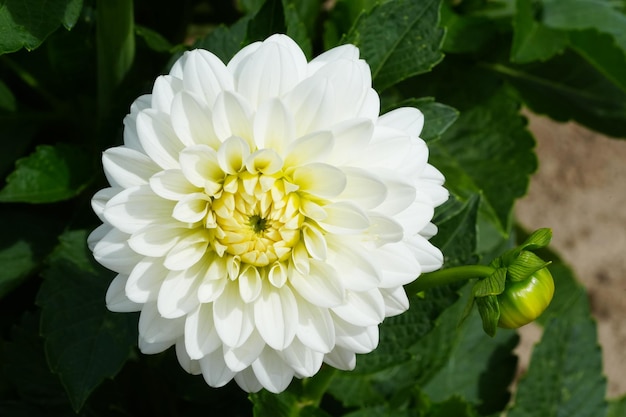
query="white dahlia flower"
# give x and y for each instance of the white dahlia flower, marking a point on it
(262, 216)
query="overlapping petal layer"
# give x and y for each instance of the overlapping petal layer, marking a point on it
(262, 216)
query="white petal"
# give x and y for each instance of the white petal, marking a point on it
(131, 139)
(356, 338)
(201, 337)
(155, 240)
(400, 194)
(158, 139)
(192, 122)
(101, 198)
(214, 369)
(407, 119)
(396, 301)
(371, 105)
(113, 252)
(321, 287)
(341, 358)
(398, 264)
(344, 218)
(363, 188)
(351, 138)
(321, 180)
(362, 273)
(388, 149)
(233, 154)
(312, 103)
(272, 371)
(171, 184)
(385, 229)
(314, 147)
(192, 208)
(349, 52)
(200, 166)
(272, 70)
(316, 329)
(188, 364)
(277, 274)
(125, 167)
(145, 280)
(233, 319)
(178, 293)
(151, 348)
(116, 297)
(247, 381)
(274, 126)
(239, 358)
(276, 316)
(240, 57)
(163, 92)
(429, 256)
(135, 208)
(314, 241)
(232, 116)
(265, 161)
(156, 329)
(205, 75)
(351, 80)
(249, 284)
(97, 234)
(304, 360)
(365, 308)
(188, 250)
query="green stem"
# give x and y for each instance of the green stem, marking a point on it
(315, 387)
(449, 276)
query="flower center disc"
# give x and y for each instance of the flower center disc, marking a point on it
(256, 218)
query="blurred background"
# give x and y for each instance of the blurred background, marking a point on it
(580, 192)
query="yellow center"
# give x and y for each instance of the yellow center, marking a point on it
(256, 217)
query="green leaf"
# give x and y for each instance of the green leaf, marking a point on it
(467, 33)
(617, 407)
(270, 19)
(565, 373)
(28, 370)
(602, 15)
(224, 41)
(7, 99)
(454, 406)
(153, 39)
(489, 310)
(398, 39)
(487, 151)
(600, 50)
(478, 368)
(84, 342)
(296, 25)
(51, 173)
(437, 117)
(569, 88)
(491, 285)
(115, 44)
(532, 40)
(275, 405)
(27, 23)
(26, 238)
(456, 237)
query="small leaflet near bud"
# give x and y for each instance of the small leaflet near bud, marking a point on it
(489, 310)
(526, 264)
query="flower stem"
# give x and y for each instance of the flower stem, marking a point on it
(449, 276)
(315, 387)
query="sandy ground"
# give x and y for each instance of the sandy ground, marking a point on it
(580, 192)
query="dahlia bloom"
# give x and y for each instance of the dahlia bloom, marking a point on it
(262, 216)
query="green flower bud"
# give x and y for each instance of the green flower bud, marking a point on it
(523, 301)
